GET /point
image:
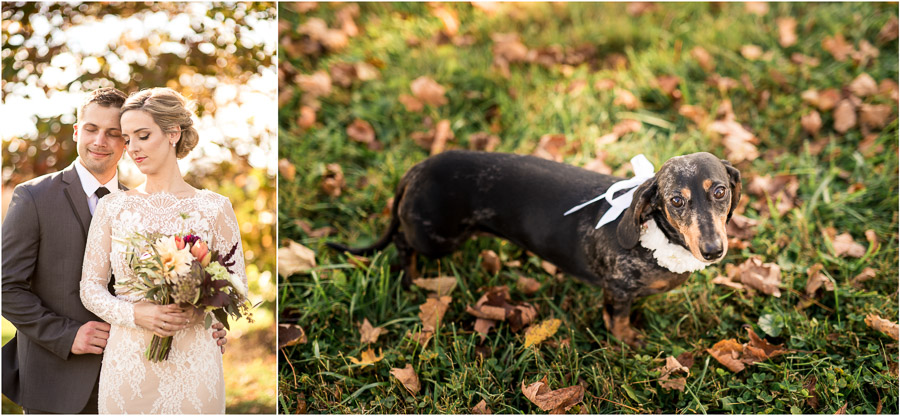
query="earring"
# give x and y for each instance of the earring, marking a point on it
(174, 143)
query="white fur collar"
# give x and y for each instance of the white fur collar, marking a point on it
(673, 257)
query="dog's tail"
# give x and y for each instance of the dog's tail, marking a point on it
(388, 235)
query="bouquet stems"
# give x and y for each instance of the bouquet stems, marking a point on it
(159, 348)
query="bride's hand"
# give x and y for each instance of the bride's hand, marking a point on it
(162, 320)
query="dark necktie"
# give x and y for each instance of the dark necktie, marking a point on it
(101, 192)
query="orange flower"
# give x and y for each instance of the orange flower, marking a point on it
(199, 250)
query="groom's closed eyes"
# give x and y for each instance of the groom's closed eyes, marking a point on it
(93, 128)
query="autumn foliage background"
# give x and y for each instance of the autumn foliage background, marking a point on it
(801, 97)
(222, 56)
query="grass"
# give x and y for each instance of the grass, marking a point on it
(852, 364)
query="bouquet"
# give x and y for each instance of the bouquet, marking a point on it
(182, 269)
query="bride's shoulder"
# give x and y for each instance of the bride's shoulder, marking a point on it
(214, 197)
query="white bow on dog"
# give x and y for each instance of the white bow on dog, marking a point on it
(643, 171)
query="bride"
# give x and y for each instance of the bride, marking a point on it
(157, 129)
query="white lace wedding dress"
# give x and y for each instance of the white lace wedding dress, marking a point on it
(191, 380)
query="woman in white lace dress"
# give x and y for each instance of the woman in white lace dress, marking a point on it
(157, 129)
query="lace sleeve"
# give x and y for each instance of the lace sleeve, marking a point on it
(227, 234)
(95, 274)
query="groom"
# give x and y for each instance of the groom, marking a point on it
(53, 363)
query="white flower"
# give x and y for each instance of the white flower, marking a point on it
(175, 262)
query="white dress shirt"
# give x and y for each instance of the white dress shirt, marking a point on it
(91, 184)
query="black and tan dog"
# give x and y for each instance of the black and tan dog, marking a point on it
(674, 225)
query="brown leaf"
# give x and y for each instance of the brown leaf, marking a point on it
(726, 281)
(863, 86)
(638, 8)
(875, 116)
(844, 245)
(421, 337)
(811, 123)
(838, 47)
(361, 131)
(368, 334)
(740, 144)
(442, 134)
(528, 285)
(290, 334)
(483, 325)
(810, 386)
(787, 31)
(599, 164)
(758, 349)
(842, 410)
(554, 401)
(741, 227)
(815, 279)
(481, 408)
(758, 8)
(428, 91)
(520, 316)
(333, 180)
(442, 286)
(295, 258)
(483, 141)
(548, 267)
(604, 84)
(801, 59)
(626, 99)
(448, 18)
(882, 325)
(432, 312)
(345, 18)
(286, 169)
(781, 190)
(703, 58)
(753, 273)
(343, 73)
(367, 357)
(694, 113)
(866, 274)
(666, 372)
(494, 313)
(490, 262)
(307, 117)
(823, 100)
(669, 85)
(751, 52)
(550, 147)
(728, 352)
(314, 233)
(411, 103)
(315, 85)
(686, 359)
(407, 376)
(888, 31)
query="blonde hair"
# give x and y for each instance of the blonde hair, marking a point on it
(169, 110)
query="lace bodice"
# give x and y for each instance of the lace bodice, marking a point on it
(121, 214)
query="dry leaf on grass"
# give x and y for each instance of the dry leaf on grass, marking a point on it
(307, 117)
(286, 169)
(432, 312)
(838, 47)
(823, 100)
(889, 31)
(494, 305)
(669, 85)
(367, 357)
(811, 123)
(863, 86)
(553, 401)
(626, 99)
(703, 58)
(528, 285)
(483, 141)
(294, 258)
(758, 8)
(741, 227)
(882, 325)
(844, 245)
(740, 144)
(550, 147)
(753, 273)
(448, 18)
(816, 279)
(735, 356)
(490, 262)
(420, 337)
(751, 52)
(813, 399)
(411, 103)
(728, 352)
(428, 91)
(537, 333)
(333, 180)
(672, 366)
(361, 131)
(290, 334)
(315, 233)
(548, 267)
(875, 116)
(483, 326)
(787, 31)
(442, 135)
(314, 86)
(781, 190)
(867, 274)
(442, 286)
(407, 376)
(481, 408)
(369, 334)
(638, 8)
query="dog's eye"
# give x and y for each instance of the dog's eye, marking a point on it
(719, 193)
(677, 202)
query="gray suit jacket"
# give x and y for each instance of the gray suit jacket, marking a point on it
(44, 236)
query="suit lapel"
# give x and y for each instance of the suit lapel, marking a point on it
(76, 197)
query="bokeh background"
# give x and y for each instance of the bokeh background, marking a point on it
(221, 56)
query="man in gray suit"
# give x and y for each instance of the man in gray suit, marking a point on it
(53, 363)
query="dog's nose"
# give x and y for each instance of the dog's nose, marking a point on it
(711, 251)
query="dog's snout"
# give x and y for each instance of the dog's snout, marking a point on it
(712, 250)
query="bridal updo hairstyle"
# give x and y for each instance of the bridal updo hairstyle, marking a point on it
(169, 110)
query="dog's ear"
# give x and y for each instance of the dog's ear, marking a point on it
(629, 229)
(734, 179)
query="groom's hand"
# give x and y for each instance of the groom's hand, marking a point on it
(219, 335)
(91, 338)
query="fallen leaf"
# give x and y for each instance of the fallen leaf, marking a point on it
(669, 85)
(483, 141)
(726, 281)
(758, 8)
(550, 147)
(758, 349)
(838, 47)
(307, 117)
(815, 280)
(528, 285)
(481, 408)
(666, 372)
(554, 401)
(421, 337)
(741, 227)
(315, 233)
(604, 84)
(865, 54)
(548, 267)
(875, 116)
(411, 103)
(740, 144)
(490, 262)
(442, 134)
(753, 273)
(638, 8)
(483, 325)
(407, 376)
(694, 113)
(520, 316)
(345, 18)
(286, 169)
(823, 100)
(728, 352)
(290, 334)
(882, 325)
(813, 399)
(368, 334)
(801, 59)
(863, 86)
(537, 333)
(343, 73)
(787, 31)
(842, 410)
(686, 359)
(315, 85)
(448, 18)
(866, 274)
(703, 58)
(295, 258)
(781, 190)
(367, 357)
(751, 52)
(626, 99)
(888, 31)
(428, 91)
(844, 245)
(598, 164)
(811, 123)
(362, 132)
(333, 180)
(432, 312)
(442, 286)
